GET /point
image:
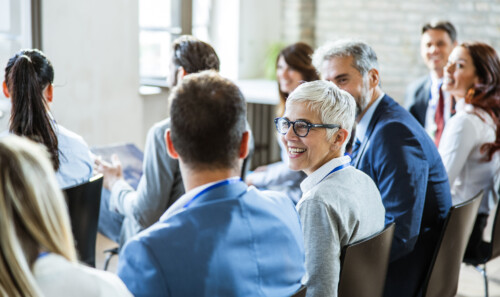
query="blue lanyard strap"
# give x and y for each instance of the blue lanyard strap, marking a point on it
(42, 254)
(216, 185)
(336, 169)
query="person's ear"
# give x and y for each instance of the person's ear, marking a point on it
(48, 92)
(244, 146)
(5, 90)
(170, 145)
(181, 72)
(339, 139)
(374, 78)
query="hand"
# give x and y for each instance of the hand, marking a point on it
(112, 172)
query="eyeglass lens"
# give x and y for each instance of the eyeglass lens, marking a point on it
(300, 127)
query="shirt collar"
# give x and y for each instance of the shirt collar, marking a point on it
(365, 120)
(317, 176)
(460, 105)
(178, 205)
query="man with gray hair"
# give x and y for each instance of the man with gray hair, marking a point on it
(340, 204)
(396, 152)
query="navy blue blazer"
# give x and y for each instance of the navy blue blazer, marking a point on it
(230, 241)
(407, 169)
(417, 98)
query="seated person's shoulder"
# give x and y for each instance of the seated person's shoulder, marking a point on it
(66, 136)
(270, 197)
(417, 84)
(160, 127)
(350, 181)
(57, 276)
(271, 205)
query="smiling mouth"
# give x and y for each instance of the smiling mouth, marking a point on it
(295, 151)
(448, 80)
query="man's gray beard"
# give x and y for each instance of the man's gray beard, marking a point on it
(359, 108)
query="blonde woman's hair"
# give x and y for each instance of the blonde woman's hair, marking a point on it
(33, 215)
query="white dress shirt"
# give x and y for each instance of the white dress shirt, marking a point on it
(430, 121)
(468, 172)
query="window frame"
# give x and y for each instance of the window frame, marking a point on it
(181, 25)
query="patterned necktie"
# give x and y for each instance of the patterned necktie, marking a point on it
(355, 149)
(439, 118)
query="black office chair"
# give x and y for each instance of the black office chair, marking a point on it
(247, 162)
(83, 205)
(442, 277)
(364, 265)
(488, 251)
(301, 292)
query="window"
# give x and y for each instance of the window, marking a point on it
(160, 22)
(19, 28)
(16, 27)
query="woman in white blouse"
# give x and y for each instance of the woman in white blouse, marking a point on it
(471, 139)
(37, 253)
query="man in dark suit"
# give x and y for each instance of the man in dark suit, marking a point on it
(221, 238)
(395, 151)
(425, 99)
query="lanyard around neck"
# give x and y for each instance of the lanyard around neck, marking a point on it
(212, 187)
(42, 254)
(345, 165)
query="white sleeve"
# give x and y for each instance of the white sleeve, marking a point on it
(458, 140)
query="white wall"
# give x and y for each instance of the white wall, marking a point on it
(242, 33)
(93, 45)
(260, 27)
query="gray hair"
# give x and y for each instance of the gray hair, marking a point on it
(333, 105)
(364, 56)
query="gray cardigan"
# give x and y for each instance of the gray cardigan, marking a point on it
(335, 210)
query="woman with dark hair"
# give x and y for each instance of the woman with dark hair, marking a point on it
(470, 143)
(293, 66)
(28, 82)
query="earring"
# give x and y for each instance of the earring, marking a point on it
(470, 95)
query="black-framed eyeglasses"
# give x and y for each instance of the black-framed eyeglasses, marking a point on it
(300, 127)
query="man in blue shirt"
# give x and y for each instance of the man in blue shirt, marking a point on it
(392, 148)
(221, 238)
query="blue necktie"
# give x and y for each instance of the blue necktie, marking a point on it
(355, 149)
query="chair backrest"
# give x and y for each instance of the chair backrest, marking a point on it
(83, 205)
(301, 292)
(364, 265)
(442, 278)
(245, 167)
(495, 235)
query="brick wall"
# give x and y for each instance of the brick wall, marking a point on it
(298, 21)
(391, 27)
